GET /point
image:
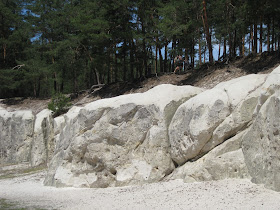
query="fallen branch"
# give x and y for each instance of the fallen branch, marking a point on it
(18, 66)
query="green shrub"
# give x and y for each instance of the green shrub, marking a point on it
(60, 104)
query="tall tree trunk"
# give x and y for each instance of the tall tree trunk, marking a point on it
(116, 65)
(165, 57)
(230, 44)
(172, 56)
(131, 60)
(124, 60)
(278, 39)
(160, 60)
(186, 57)
(109, 67)
(255, 37)
(62, 80)
(34, 89)
(252, 38)
(261, 33)
(207, 32)
(273, 35)
(268, 35)
(97, 76)
(156, 57)
(192, 53)
(243, 45)
(234, 43)
(199, 52)
(219, 52)
(204, 54)
(145, 64)
(4, 52)
(38, 88)
(225, 49)
(55, 85)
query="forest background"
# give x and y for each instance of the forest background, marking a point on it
(64, 46)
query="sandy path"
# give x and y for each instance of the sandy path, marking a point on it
(225, 194)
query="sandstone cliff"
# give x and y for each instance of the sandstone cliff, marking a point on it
(168, 132)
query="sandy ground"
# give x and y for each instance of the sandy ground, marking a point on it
(28, 191)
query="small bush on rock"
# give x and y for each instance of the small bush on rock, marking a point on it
(60, 104)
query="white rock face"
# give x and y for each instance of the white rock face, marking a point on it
(194, 121)
(16, 134)
(118, 141)
(43, 140)
(224, 161)
(261, 144)
(230, 131)
(205, 121)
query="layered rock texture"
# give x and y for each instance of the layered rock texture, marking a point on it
(26, 137)
(118, 141)
(168, 132)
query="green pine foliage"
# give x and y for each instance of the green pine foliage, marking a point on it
(67, 46)
(59, 104)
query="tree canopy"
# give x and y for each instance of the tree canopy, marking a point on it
(62, 46)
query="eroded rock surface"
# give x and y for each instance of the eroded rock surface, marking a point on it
(43, 145)
(205, 121)
(16, 135)
(223, 162)
(261, 144)
(25, 137)
(118, 141)
(168, 132)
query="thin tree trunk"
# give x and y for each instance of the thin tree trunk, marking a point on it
(234, 43)
(219, 53)
(243, 45)
(199, 52)
(278, 42)
(156, 57)
(4, 52)
(255, 38)
(145, 65)
(230, 45)
(252, 38)
(273, 35)
(172, 56)
(268, 36)
(124, 60)
(160, 60)
(192, 52)
(116, 65)
(34, 89)
(109, 67)
(38, 88)
(261, 32)
(186, 56)
(62, 80)
(204, 54)
(225, 49)
(165, 57)
(131, 60)
(207, 32)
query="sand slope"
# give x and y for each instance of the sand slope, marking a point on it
(29, 191)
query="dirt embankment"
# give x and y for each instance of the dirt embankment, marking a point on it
(205, 77)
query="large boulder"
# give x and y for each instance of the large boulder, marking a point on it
(117, 141)
(210, 118)
(261, 144)
(16, 136)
